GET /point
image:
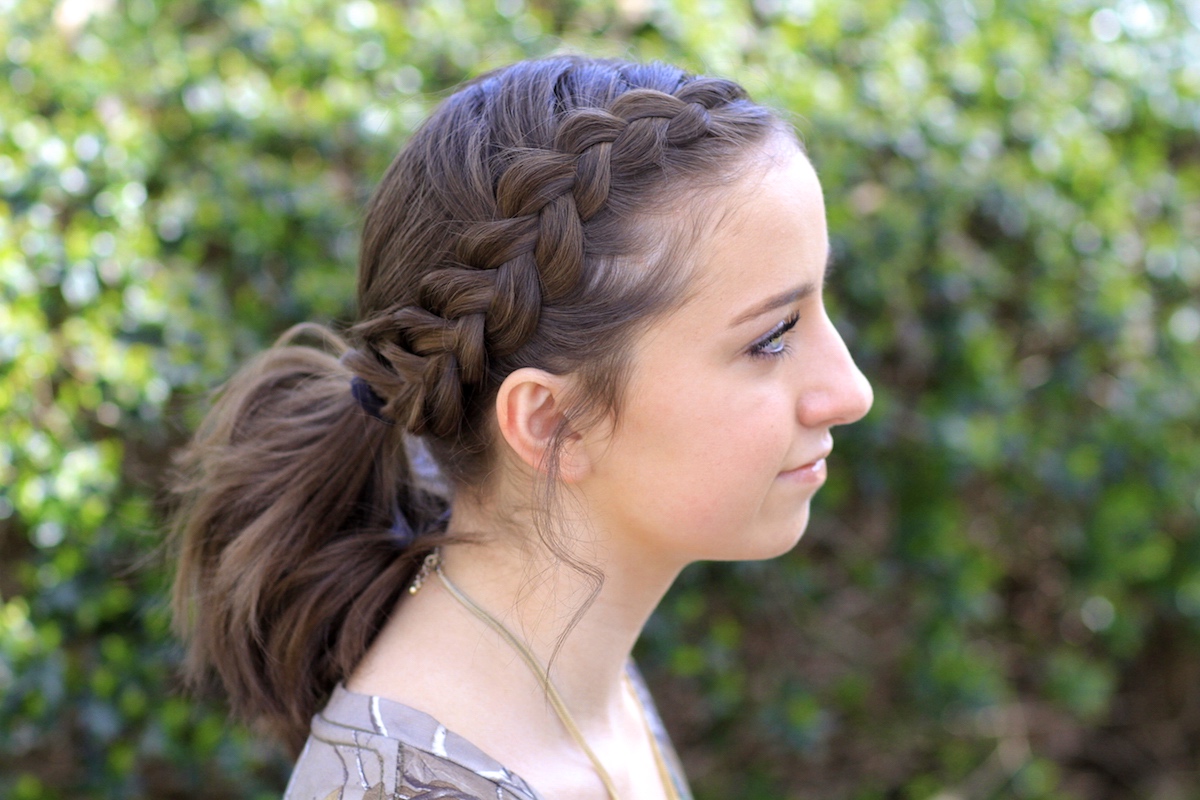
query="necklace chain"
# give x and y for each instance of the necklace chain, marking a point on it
(433, 563)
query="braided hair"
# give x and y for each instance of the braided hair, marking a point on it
(540, 217)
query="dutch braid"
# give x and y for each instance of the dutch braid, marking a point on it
(529, 254)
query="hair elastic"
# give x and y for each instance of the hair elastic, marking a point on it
(369, 401)
(402, 533)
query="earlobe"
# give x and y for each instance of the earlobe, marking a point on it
(530, 413)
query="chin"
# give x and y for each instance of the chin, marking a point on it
(788, 542)
(759, 544)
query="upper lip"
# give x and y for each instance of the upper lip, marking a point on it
(823, 454)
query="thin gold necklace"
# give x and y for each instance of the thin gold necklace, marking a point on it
(433, 563)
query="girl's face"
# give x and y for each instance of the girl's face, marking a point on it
(725, 427)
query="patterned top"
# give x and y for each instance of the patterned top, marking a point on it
(368, 747)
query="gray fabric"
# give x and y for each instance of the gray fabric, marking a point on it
(362, 746)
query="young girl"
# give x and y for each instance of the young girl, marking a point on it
(590, 296)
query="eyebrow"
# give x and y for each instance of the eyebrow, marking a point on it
(784, 298)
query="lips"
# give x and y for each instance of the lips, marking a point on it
(812, 471)
(818, 460)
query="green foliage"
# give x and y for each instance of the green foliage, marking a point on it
(1002, 578)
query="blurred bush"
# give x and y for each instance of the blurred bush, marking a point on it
(1000, 593)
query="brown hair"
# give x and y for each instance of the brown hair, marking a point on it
(521, 226)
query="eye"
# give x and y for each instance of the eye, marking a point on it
(775, 342)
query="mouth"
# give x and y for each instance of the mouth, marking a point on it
(809, 471)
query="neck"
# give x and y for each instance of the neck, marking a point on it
(437, 656)
(581, 620)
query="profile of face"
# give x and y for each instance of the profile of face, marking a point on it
(725, 425)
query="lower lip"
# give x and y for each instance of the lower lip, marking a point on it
(809, 473)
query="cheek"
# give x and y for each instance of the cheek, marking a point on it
(706, 459)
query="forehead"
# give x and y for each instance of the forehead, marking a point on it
(768, 235)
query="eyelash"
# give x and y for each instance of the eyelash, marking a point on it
(759, 348)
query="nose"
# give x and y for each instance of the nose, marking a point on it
(837, 392)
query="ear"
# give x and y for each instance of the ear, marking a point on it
(529, 410)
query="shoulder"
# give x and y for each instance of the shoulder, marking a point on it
(368, 747)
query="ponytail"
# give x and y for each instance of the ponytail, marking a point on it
(294, 533)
